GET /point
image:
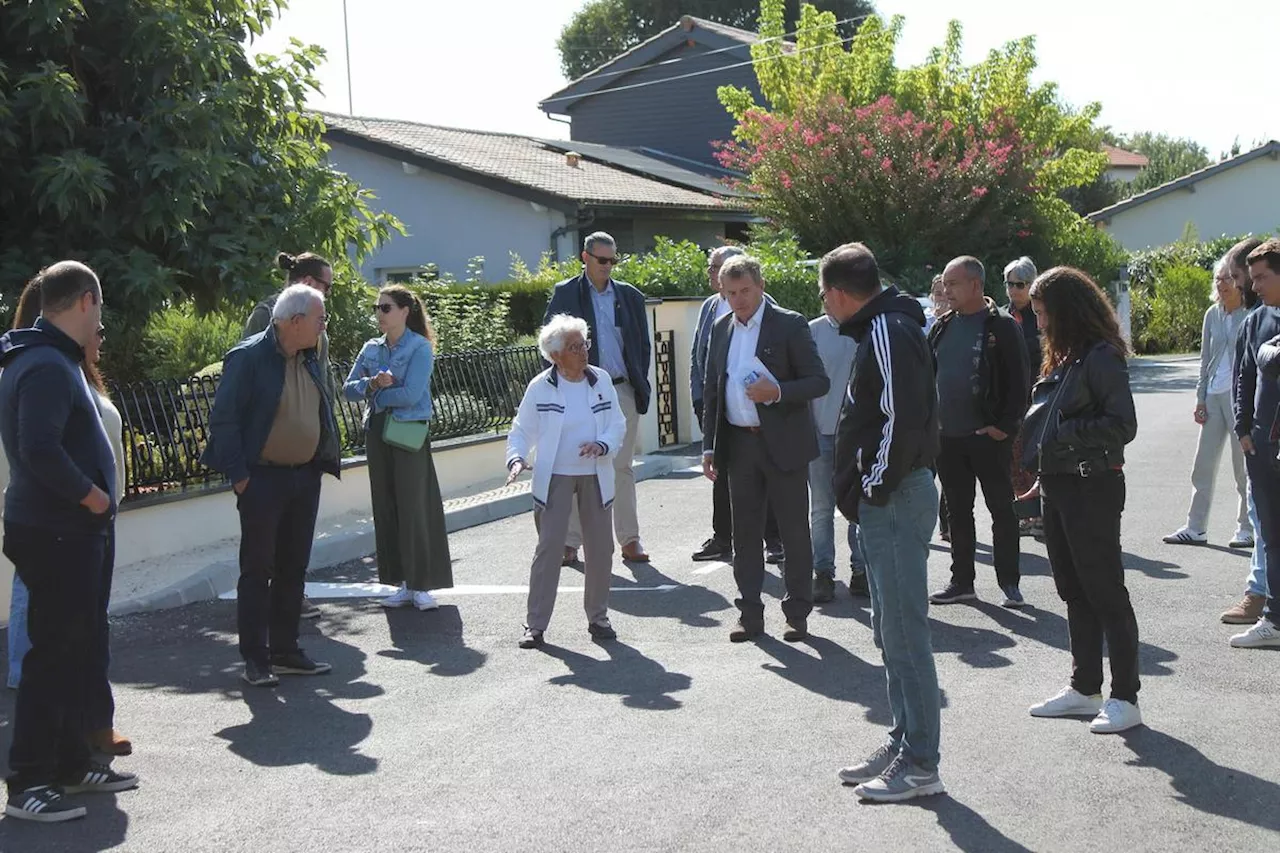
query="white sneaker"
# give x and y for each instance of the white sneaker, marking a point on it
(1116, 715)
(1068, 703)
(400, 598)
(1262, 635)
(424, 601)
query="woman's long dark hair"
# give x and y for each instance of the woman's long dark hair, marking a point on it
(418, 321)
(25, 317)
(301, 266)
(1079, 316)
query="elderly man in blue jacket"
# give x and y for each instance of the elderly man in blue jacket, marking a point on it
(273, 434)
(621, 345)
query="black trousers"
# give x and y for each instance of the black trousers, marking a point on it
(756, 486)
(964, 463)
(277, 525)
(722, 515)
(1264, 478)
(1082, 535)
(64, 690)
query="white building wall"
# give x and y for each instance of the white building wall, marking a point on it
(448, 221)
(1244, 199)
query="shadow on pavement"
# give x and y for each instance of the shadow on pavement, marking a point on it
(835, 673)
(1203, 784)
(641, 681)
(1157, 569)
(691, 604)
(1147, 377)
(969, 830)
(104, 828)
(433, 639)
(298, 722)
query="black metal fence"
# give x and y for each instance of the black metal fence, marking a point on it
(166, 423)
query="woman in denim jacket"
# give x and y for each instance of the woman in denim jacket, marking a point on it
(392, 375)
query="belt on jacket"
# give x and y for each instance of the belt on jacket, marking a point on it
(749, 429)
(620, 380)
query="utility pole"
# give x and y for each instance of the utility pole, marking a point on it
(346, 37)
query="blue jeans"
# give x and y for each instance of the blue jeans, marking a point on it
(1257, 580)
(896, 537)
(19, 642)
(822, 511)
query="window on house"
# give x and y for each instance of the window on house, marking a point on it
(736, 231)
(404, 275)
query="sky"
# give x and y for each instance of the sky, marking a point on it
(1189, 70)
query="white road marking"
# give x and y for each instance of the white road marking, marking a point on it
(711, 567)
(326, 590)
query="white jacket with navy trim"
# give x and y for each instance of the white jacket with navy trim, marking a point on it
(535, 433)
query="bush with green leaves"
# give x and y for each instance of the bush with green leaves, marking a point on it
(178, 342)
(1173, 312)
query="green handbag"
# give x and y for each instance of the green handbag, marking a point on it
(406, 435)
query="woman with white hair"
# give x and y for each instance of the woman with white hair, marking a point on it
(1214, 414)
(567, 430)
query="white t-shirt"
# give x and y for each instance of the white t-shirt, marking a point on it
(1220, 382)
(579, 427)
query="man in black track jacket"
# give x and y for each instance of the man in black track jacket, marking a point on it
(886, 440)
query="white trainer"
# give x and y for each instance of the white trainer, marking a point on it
(1262, 635)
(1068, 703)
(424, 601)
(400, 598)
(1116, 715)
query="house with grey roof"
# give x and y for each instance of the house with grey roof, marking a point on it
(661, 94)
(467, 193)
(1236, 196)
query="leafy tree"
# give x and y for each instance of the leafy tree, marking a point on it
(1169, 158)
(140, 138)
(981, 101)
(602, 29)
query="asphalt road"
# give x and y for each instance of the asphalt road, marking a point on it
(434, 732)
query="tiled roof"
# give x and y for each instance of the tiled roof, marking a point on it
(531, 163)
(1121, 159)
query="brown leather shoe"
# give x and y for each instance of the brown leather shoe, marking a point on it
(110, 742)
(633, 553)
(1247, 612)
(741, 632)
(570, 557)
(796, 631)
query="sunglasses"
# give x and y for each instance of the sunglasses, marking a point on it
(385, 307)
(605, 262)
(1016, 285)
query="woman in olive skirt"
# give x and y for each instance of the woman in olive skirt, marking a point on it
(392, 375)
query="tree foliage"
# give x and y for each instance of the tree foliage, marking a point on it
(602, 29)
(1169, 158)
(982, 101)
(140, 138)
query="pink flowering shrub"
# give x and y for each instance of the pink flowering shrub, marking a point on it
(917, 193)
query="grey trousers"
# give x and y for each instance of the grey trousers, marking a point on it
(625, 519)
(552, 524)
(1217, 429)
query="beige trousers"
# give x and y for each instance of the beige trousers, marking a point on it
(626, 524)
(582, 496)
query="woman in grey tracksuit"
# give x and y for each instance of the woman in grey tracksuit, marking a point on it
(1222, 324)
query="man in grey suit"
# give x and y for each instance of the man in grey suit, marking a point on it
(763, 369)
(720, 545)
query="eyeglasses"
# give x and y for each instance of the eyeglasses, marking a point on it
(1016, 285)
(605, 262)
(384, 307)
(583, 346)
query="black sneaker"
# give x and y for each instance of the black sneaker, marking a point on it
(259, 675)
(858, 587)
(101, 779)
(309, 609)
(774, 553)
(297, 663)
(42, 804)
(952, 593)
(602, 630)
(824, 589)
(531, 640)
(712, 549)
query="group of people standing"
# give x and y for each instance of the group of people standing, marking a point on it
(1237, 396)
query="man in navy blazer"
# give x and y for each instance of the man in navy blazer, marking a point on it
(720, 545)
(763, 368)
(622, 346)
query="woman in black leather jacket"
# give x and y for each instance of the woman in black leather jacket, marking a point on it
(1081, 418)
